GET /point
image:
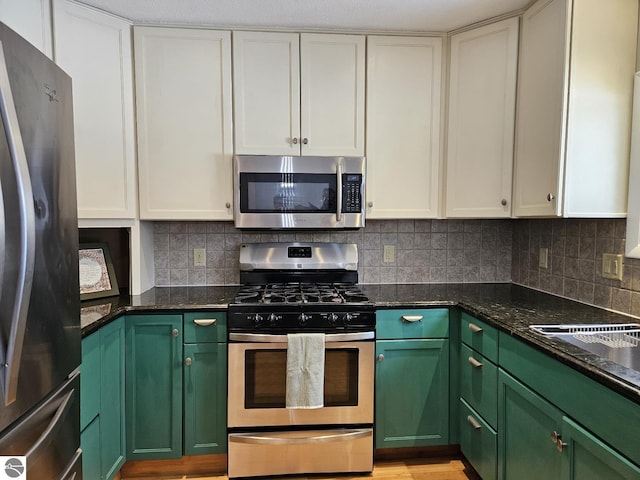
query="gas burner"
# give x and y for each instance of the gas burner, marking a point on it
(300, 293)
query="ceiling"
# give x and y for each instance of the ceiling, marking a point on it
(358, 15)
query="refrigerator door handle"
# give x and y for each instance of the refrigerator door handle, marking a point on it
(11, 350)
(55, 422)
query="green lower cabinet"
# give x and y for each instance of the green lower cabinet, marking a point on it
(412, 393)
(205, 398)
(588, 458)
(102, 402)
(526, 424)
(153, 386)
(112, 425)
(90, 444)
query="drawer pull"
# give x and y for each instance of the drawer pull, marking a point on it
(412, 318)
(473, 422)
(475, 362)
(205, 322)
(475, 328)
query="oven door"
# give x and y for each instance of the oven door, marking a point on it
(257, 383)
(298, 192)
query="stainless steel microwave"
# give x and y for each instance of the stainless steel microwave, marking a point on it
(286, 192)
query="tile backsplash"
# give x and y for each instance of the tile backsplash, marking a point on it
(430, 251)
(575, 248)
(426, 251)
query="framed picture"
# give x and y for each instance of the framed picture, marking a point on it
(97, 277)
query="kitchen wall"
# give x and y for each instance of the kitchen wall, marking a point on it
(575, 261)
(431, 251)
(426, 251)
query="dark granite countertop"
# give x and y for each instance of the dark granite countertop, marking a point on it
(510, 308)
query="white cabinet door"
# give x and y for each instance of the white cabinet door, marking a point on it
(298, 94)
(94, 48)
(266, 88)
(482, 96)
(632, 243)
(183, 98)
(577, 61)
(332, 82)
(31, 19)
(403, 126)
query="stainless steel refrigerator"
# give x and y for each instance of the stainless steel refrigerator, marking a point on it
(39, 292)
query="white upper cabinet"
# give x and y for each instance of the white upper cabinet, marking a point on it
(31, 19)
(403, 126)
(94, 48)
(482, 99)
(183, 98)
(577, 61)
(298, 94)
(633, 218)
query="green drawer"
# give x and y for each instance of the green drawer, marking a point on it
(480, 336)
(90, 379)
(205, 327)
(479, 384)
(412, 323)
(478, 442)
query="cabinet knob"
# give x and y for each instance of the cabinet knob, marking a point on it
(550, 197)
(175, 332)
(305, 141)
(370, 204)
(381, 358)
(227, 205)
(294, 140)
(503, 202)
(188, 361)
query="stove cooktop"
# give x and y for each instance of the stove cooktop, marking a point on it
(300, 293)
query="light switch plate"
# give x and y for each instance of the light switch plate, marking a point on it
(543, 261)
(389, 254)
(199, 257)
(612, 266)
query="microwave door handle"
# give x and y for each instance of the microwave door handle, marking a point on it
(11, 353)
(339, 192)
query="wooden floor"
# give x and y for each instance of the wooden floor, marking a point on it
(444, 468)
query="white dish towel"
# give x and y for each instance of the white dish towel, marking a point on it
(305, 370)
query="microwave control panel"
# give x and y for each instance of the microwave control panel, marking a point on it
(351, 193)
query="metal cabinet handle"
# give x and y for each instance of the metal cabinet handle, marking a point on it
(370, 204)
(188, 361)
(305, 141)
(473, 422)
(557, 439)
(550, 197)
(381, 358)
(475, 328)
(294, 140)
(503, 202)
(475, 363)
(205, 322)
(175, 332)
(227, 205)
(412, 318)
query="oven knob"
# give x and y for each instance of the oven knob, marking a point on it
(302, 319)
(347, 318)
(333, 318)
(273, 318)
(257, 319)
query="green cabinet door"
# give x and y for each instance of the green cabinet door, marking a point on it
(112, 426)
(412, 393)
(588, 458)
(90, 444)
(154, 386)
(526, 423)
(205, 398)
(90, 380)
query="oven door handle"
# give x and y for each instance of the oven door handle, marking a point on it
(324, 437)
(331, 337)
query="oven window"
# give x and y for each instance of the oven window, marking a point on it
(287, 192)
(265, 378)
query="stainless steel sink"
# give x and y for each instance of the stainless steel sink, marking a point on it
(618, 343)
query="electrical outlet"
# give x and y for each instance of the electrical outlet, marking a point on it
(543, 261)
(612, 266)
(389, 254)
(199, 257)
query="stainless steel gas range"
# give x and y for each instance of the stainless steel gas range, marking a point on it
(290, 291)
